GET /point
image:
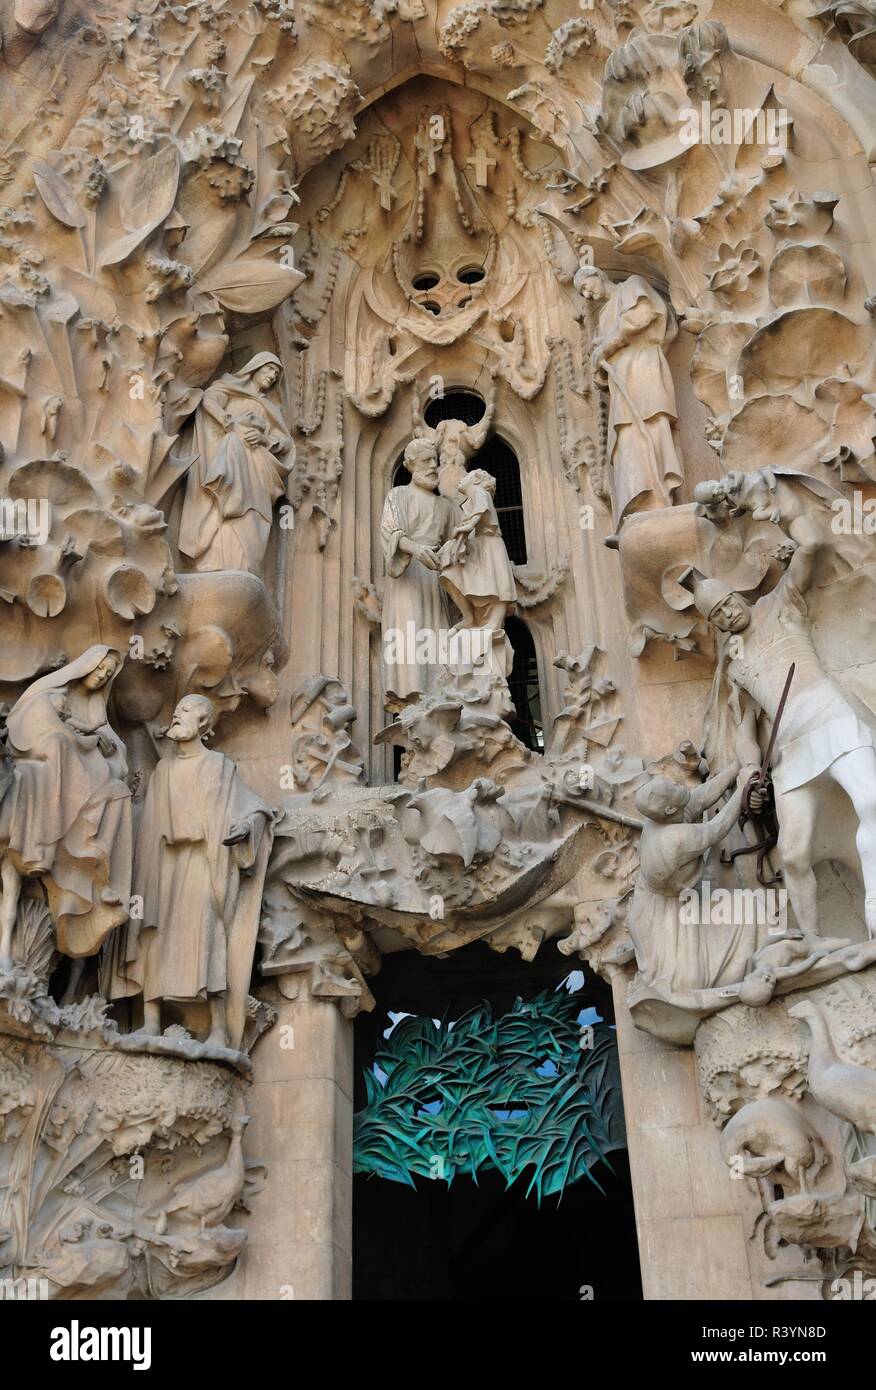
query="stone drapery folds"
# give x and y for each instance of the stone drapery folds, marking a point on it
(252, 258)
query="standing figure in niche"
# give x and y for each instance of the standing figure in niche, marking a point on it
(244, 456)
(201, 855)
(635, 326)
(66, 818)
(480, 580)
(415, 525)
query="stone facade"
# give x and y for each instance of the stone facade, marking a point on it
(274, 280)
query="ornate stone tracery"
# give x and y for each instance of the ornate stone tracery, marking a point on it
(243, 249)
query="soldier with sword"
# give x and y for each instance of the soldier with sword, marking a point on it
(818, 737)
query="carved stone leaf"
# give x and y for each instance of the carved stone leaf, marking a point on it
(94, 301)
(57, 195)
(46, 595)
(770, 431)
(145, 204)
(125, 247)
(129, 592)
(61, 484)
(714, 359)
(252, 284)
(806, 273)
(150, 196)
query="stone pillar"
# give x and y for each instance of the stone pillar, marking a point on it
(692, 1235)
(694, 1222)
(299, 1241)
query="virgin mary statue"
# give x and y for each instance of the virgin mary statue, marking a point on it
(244, 454)
(66, 817)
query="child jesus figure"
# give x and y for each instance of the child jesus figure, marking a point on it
(480, 579)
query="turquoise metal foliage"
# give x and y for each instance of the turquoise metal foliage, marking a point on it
(532, 1094)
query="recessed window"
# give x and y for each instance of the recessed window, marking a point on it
(466, 406)
(470, 275)
(501, 461)
(431, 307)
(425, 282)
(523, 687)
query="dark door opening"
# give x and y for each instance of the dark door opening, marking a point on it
(475, 1239)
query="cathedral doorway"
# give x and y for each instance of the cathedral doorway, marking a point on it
(472, 1076)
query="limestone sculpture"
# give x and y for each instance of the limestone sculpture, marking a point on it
(203, 842)
(400, 201)
(416, 524)
(244, 456)
(481, 583)
(456, 443)
(66, 817)
(821, 735)
(676, 955)
(635, 327)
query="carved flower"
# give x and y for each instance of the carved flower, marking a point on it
(732, 269)
(96, 182)
(281, 11)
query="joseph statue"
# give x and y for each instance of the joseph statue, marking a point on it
(415, 526)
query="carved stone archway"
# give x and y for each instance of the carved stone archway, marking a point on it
(189, 191)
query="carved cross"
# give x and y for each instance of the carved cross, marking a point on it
(383, 180)
(481, 163)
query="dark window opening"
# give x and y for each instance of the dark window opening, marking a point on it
(466, 406)
(526, 722)
(470, 1240)
(425, 282)
(431, 307)
(501, 461)
(470, 275)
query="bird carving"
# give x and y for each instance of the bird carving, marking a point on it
(211, 1196)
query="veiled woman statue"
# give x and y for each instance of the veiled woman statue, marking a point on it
(244, 455)
(66, 818)
(635, 325)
